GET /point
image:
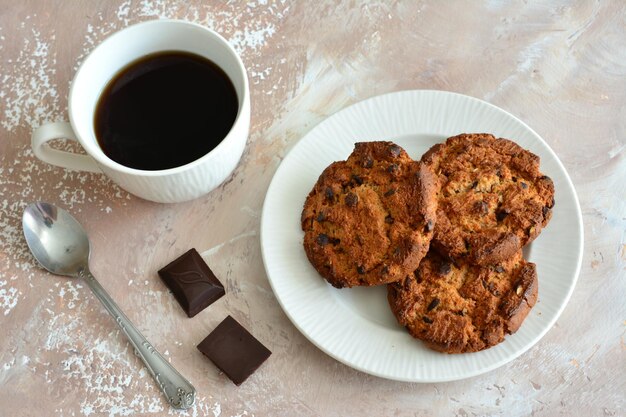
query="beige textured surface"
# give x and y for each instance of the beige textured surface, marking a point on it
(558, 65)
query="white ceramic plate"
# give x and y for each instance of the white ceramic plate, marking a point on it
(356, 326)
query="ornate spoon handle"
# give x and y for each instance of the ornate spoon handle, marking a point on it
(178, 391)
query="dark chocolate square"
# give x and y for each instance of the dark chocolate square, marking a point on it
(234, 350)
(194, 285)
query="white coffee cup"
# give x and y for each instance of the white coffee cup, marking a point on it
(177, 184)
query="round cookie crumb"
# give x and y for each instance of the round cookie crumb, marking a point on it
(493, 199)
(369, 220)
(458, 308)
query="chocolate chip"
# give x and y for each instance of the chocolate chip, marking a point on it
(482, 207)
(523, 185)
(321, 216)
(514, 179)
(445, 268)
(322, 239)
(335, 241)
(429, 226)
(545, 210)
(417, 276)
(369, 162)
(545, 178)
(384, 270)
(360, 269)
(474, 184)
(358, 180)
(433, 304)
(328, 192)
(460, 313)
(551, 203)
(351, 200)
(493, 289)
(389, 219)
(499, 174)
(499, 269)
(395, 150)
(427, 320)
(391, 192)
(501, 215)
(392, 168)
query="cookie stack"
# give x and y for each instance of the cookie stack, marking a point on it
(445, 233)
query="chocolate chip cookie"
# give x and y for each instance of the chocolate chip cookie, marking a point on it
(369, 220)
(493, 199)
(461, 307)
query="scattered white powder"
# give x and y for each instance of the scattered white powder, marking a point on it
(102, 364)
(216, 409)
(259, 76)
(162, 9)
(69, 293)
(29, 93)
(94, 36)
(8, 297)
(122, 12)
(254, 30)
(202, 408)
(251, 38)
(61, 331)
(72, 196)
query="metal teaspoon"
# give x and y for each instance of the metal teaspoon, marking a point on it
(61, 246)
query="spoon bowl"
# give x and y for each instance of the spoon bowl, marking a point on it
(58, 242)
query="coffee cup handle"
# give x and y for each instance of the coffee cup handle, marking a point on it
(60, 130)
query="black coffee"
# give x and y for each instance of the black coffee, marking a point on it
(165, 110)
